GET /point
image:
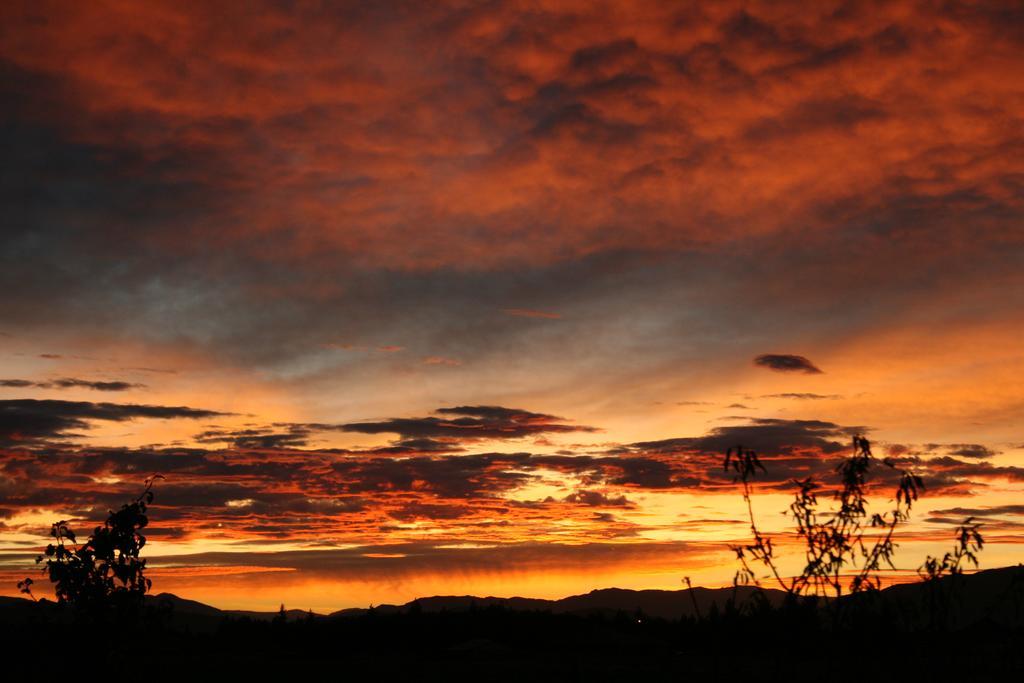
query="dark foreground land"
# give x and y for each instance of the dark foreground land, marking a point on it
(966, 628)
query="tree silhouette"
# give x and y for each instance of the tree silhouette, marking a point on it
(942, 576)
(835, 541)
(846, 548)
(969, 543)
(105, 573)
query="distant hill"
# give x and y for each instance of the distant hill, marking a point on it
(610, 634)
(994, 594)
(662, 604)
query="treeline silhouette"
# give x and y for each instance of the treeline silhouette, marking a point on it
(833, 621)
(494, 643)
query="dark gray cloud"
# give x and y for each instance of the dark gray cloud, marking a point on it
(993, 518)
(407, 447)
(425, 445)
(72, 383)
(29, 420)
(255, 438)
(302, 434)
(803, 396)
(946, 475)
(971, 450)
(470, 423)
(414, 511)
(598, 499)
(644, 473)
(767, 436)
(116, 385)
(984, 511)
(951, 467)
(784, 362)
(461, 476)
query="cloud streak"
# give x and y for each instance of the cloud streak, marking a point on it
(804, 396)
(785, 362)
(29, 420)
(71, 383)
(470, 422)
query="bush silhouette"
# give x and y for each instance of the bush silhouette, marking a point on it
(845, 548)
(105, 574)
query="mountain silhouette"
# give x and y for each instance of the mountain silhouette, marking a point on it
(662, 604)
(610, 634)
(993, 594)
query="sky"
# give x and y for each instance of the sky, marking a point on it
(406, 299)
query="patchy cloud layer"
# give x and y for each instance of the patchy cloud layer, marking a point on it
(256, 489)
(374, 206)
(342, 127)
(427, 505)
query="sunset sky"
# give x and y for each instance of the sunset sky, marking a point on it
(417, 298)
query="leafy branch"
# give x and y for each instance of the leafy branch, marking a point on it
(104, 570)
(834, 540)
(969, 543)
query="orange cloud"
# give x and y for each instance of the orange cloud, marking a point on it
(530, 137)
